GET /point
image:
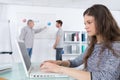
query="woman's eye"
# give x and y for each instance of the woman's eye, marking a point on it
(89, 22)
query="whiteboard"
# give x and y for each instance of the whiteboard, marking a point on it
(5, 37)
(41, 20)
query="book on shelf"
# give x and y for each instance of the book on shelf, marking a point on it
(67, 37)
(83, 48)
(84, 37)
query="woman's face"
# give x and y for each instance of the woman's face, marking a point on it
(89, 22)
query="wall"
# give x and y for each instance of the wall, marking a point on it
(72, 18)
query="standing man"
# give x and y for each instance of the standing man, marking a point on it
(27, 35)
(58, 45)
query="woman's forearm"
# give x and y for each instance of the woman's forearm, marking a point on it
(77, 74)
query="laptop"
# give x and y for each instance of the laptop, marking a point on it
(31, 70)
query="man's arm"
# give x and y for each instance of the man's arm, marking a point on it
(39, 30)
(56, 41)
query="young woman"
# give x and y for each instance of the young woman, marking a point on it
(102, 57)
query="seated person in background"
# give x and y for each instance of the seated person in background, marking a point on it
(27, 35)
(102, 57)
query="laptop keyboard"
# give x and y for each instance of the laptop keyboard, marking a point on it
(43, 76)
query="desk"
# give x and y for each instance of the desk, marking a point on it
(18, 73)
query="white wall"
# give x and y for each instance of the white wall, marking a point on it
(72, 19)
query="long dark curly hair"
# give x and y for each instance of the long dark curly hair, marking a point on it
(105, 25)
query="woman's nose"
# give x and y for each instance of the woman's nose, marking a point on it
(86, 27)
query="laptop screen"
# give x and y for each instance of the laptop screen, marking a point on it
(25, 55)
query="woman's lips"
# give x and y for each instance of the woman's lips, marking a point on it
(88, 31)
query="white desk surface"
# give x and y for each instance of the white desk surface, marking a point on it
(18, 73)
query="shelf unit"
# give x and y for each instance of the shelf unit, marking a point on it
(75, 43)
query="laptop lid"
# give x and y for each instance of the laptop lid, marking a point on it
(25, 57)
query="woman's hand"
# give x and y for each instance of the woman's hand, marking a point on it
(50, 67)
(52, 61)
(58, 62)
